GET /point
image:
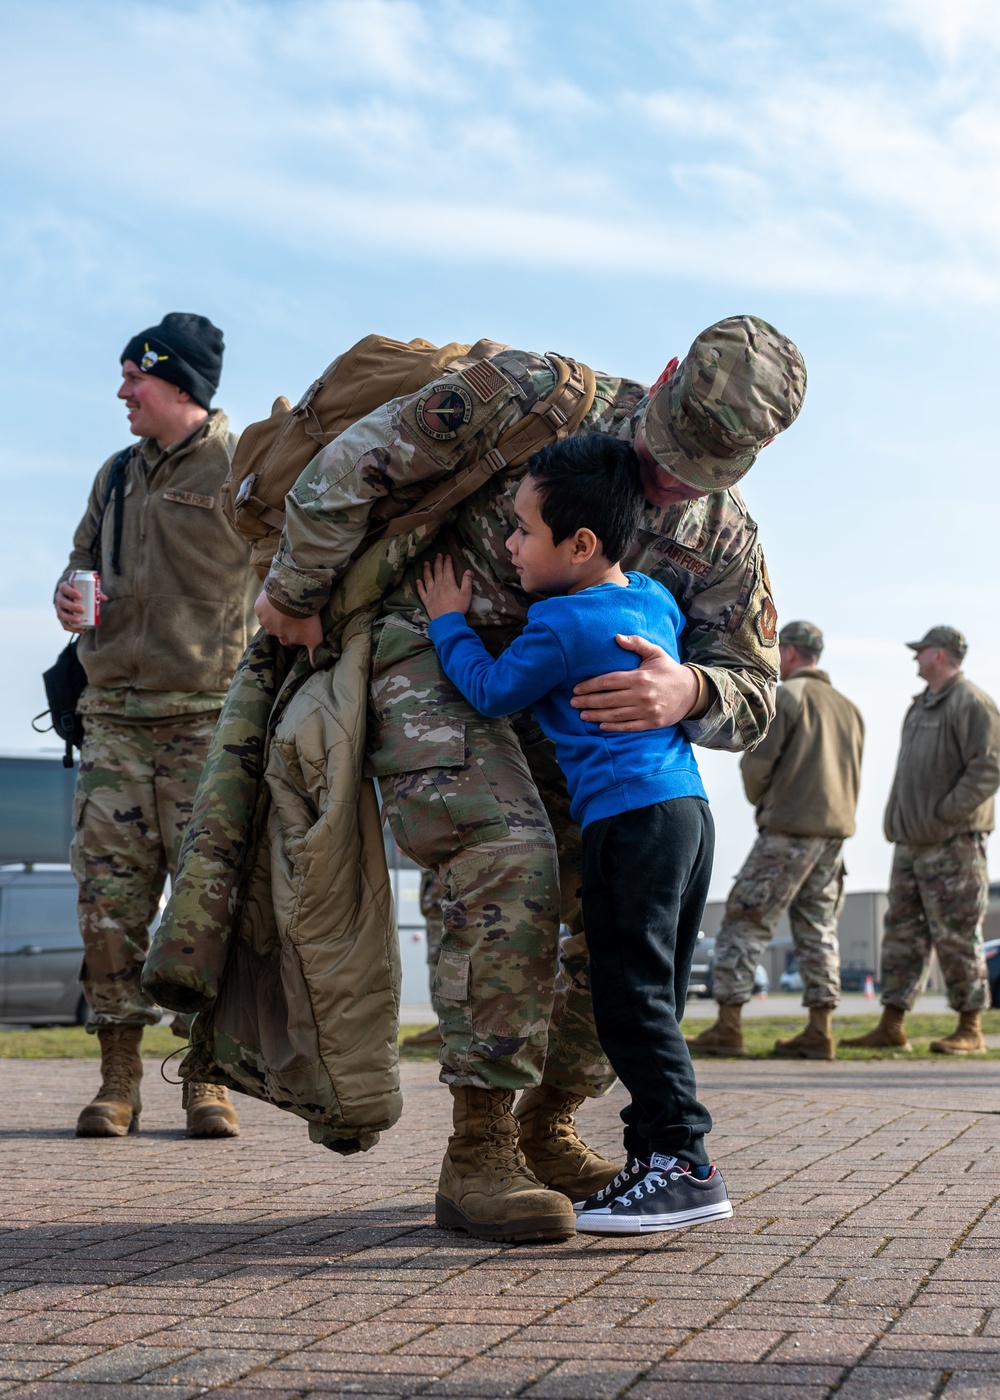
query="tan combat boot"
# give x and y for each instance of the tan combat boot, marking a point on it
(486, 1188)
(724, 1036)
(889, 1034)
(555, 1152)
(115, 1109)
(430, 1039)
(965, 1039)
(209, 1112)
(814, 1043)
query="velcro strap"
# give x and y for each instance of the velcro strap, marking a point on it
(552, 414)
(253, 505)
(447, 494)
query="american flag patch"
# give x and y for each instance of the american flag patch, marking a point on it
(486, 380)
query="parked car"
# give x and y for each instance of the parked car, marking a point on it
(40, 947)
(992, 952)
(855, 979)
(705, 954)
(791, 979)
(700, 981)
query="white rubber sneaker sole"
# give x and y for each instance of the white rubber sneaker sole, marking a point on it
(594, 1222)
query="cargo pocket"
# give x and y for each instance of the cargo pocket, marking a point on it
(76, 857)
(436, 797)
(452, 976)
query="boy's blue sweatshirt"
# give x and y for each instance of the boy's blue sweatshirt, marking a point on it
(567, 640)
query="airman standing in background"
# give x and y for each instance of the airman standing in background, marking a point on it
(803, 779)
(939, 813)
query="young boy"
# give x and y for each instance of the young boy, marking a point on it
(647, 830)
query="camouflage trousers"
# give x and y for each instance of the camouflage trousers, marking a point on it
(937, 899)
(431, 895)
(133, 798)
(482, 804)
(803, 875)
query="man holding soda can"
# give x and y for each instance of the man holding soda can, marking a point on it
(159, 588)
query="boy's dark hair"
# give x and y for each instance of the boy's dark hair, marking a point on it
(590, 483)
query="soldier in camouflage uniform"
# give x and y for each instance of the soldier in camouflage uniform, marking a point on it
(482, 802)
(939, 813)
(175, 606)
(803, 780)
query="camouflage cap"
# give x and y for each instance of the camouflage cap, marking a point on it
(801, 634)
(741, 383)
(948, 637)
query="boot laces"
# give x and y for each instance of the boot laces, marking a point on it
(561, 1126)
(200, 1092)
(500, 1151)
(117, 1070)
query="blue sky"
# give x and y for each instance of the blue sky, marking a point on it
(600, 180)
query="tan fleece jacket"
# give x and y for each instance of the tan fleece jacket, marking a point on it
(803, 777)
(178, 614)
(948, 767)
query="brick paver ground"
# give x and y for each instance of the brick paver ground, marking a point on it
(862, 1260)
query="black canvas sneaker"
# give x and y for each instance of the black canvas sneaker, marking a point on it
(631, 1172)
(668, 1197)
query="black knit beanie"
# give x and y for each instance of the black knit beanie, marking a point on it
(183, 349)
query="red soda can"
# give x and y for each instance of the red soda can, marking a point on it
(89, 584)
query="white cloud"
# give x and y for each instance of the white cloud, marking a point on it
(953, 30)
(443, 131)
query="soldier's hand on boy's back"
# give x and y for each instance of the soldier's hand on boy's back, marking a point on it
(438, 590)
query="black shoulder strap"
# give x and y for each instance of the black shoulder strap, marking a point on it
(116, 488)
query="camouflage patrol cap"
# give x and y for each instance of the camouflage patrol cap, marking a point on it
(801, 634)
(948, 637)
(741, 383)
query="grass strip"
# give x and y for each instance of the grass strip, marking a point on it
(759, 1034)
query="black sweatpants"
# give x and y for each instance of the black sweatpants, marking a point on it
(645, 881)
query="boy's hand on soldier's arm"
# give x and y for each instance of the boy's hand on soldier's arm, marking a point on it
(438, 590)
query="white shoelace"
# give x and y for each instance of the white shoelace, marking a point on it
(656, 1176)
(606, 1193)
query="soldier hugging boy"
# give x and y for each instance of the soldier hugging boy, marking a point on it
(648, 835)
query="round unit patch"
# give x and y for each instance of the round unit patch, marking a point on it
(443, 411)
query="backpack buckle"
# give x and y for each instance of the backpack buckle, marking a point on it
(246, 491)
(552, 414)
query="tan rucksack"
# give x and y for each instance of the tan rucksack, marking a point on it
(272, 454)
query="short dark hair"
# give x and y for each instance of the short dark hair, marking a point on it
(590, 483)
(809, 654)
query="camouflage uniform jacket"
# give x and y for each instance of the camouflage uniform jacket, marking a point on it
(705, 551)
(803, 778)
(948, 767)
(176, 619)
